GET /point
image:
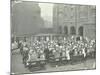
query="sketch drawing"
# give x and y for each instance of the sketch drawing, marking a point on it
(50, 37)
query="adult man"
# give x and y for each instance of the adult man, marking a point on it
(68, 54)
(46, 51)
(25, 53)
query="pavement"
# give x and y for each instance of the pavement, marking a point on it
(18, 67)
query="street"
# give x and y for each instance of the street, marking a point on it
(18, 67)
(48, 37)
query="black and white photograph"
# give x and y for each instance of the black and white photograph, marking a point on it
(52, 37)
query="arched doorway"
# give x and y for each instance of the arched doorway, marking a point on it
(80, 31)
(65, 29)
(72, 30)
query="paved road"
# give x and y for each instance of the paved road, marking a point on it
(18, 67)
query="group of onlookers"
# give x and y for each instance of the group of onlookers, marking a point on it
(37, 50)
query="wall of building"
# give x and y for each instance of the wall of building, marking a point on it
(26, 18)
(75, 17)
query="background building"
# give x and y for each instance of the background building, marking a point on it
(75, 19)
(25, 17)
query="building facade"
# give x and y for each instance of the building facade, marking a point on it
(25, 17)
(75, 20)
